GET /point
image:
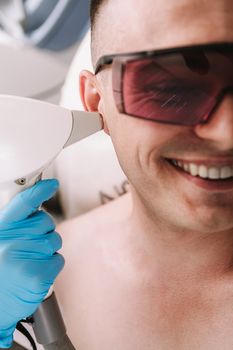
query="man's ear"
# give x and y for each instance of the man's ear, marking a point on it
(90, 94)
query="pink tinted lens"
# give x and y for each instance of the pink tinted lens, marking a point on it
(176, 88)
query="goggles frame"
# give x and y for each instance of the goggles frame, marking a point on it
(119, 60)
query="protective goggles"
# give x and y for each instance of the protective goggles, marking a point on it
(178, 86)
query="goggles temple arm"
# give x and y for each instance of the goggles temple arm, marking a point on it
(102, 62)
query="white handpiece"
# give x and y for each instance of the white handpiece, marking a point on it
(32, 134)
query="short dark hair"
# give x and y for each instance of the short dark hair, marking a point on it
(94, 10)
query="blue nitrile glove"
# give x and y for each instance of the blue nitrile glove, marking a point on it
(29, 263)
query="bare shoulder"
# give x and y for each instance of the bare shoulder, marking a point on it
(88, 242)
(84, 236)
(96, 221)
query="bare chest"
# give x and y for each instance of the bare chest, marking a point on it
(106, 312)
(112, 300)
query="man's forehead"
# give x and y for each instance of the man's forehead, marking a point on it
(129, 25)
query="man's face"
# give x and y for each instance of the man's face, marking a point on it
(143, 146)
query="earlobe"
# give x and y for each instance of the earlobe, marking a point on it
(90, 95)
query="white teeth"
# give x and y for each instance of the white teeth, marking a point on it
(193, 169)
(214, 173)
(203, 171)
(226, 172)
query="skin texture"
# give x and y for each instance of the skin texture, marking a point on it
(153, 270)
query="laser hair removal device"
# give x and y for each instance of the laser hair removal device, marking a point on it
(32, 134)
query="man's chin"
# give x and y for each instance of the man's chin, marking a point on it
(209, 222)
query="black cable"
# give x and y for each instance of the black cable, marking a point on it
(25, 332)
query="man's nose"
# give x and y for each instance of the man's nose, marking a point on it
(219, 127)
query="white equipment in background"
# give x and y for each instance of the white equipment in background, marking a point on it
(38, 39)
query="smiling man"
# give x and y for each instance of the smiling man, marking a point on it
(153, 269)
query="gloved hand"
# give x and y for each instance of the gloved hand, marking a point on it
(29, 263)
